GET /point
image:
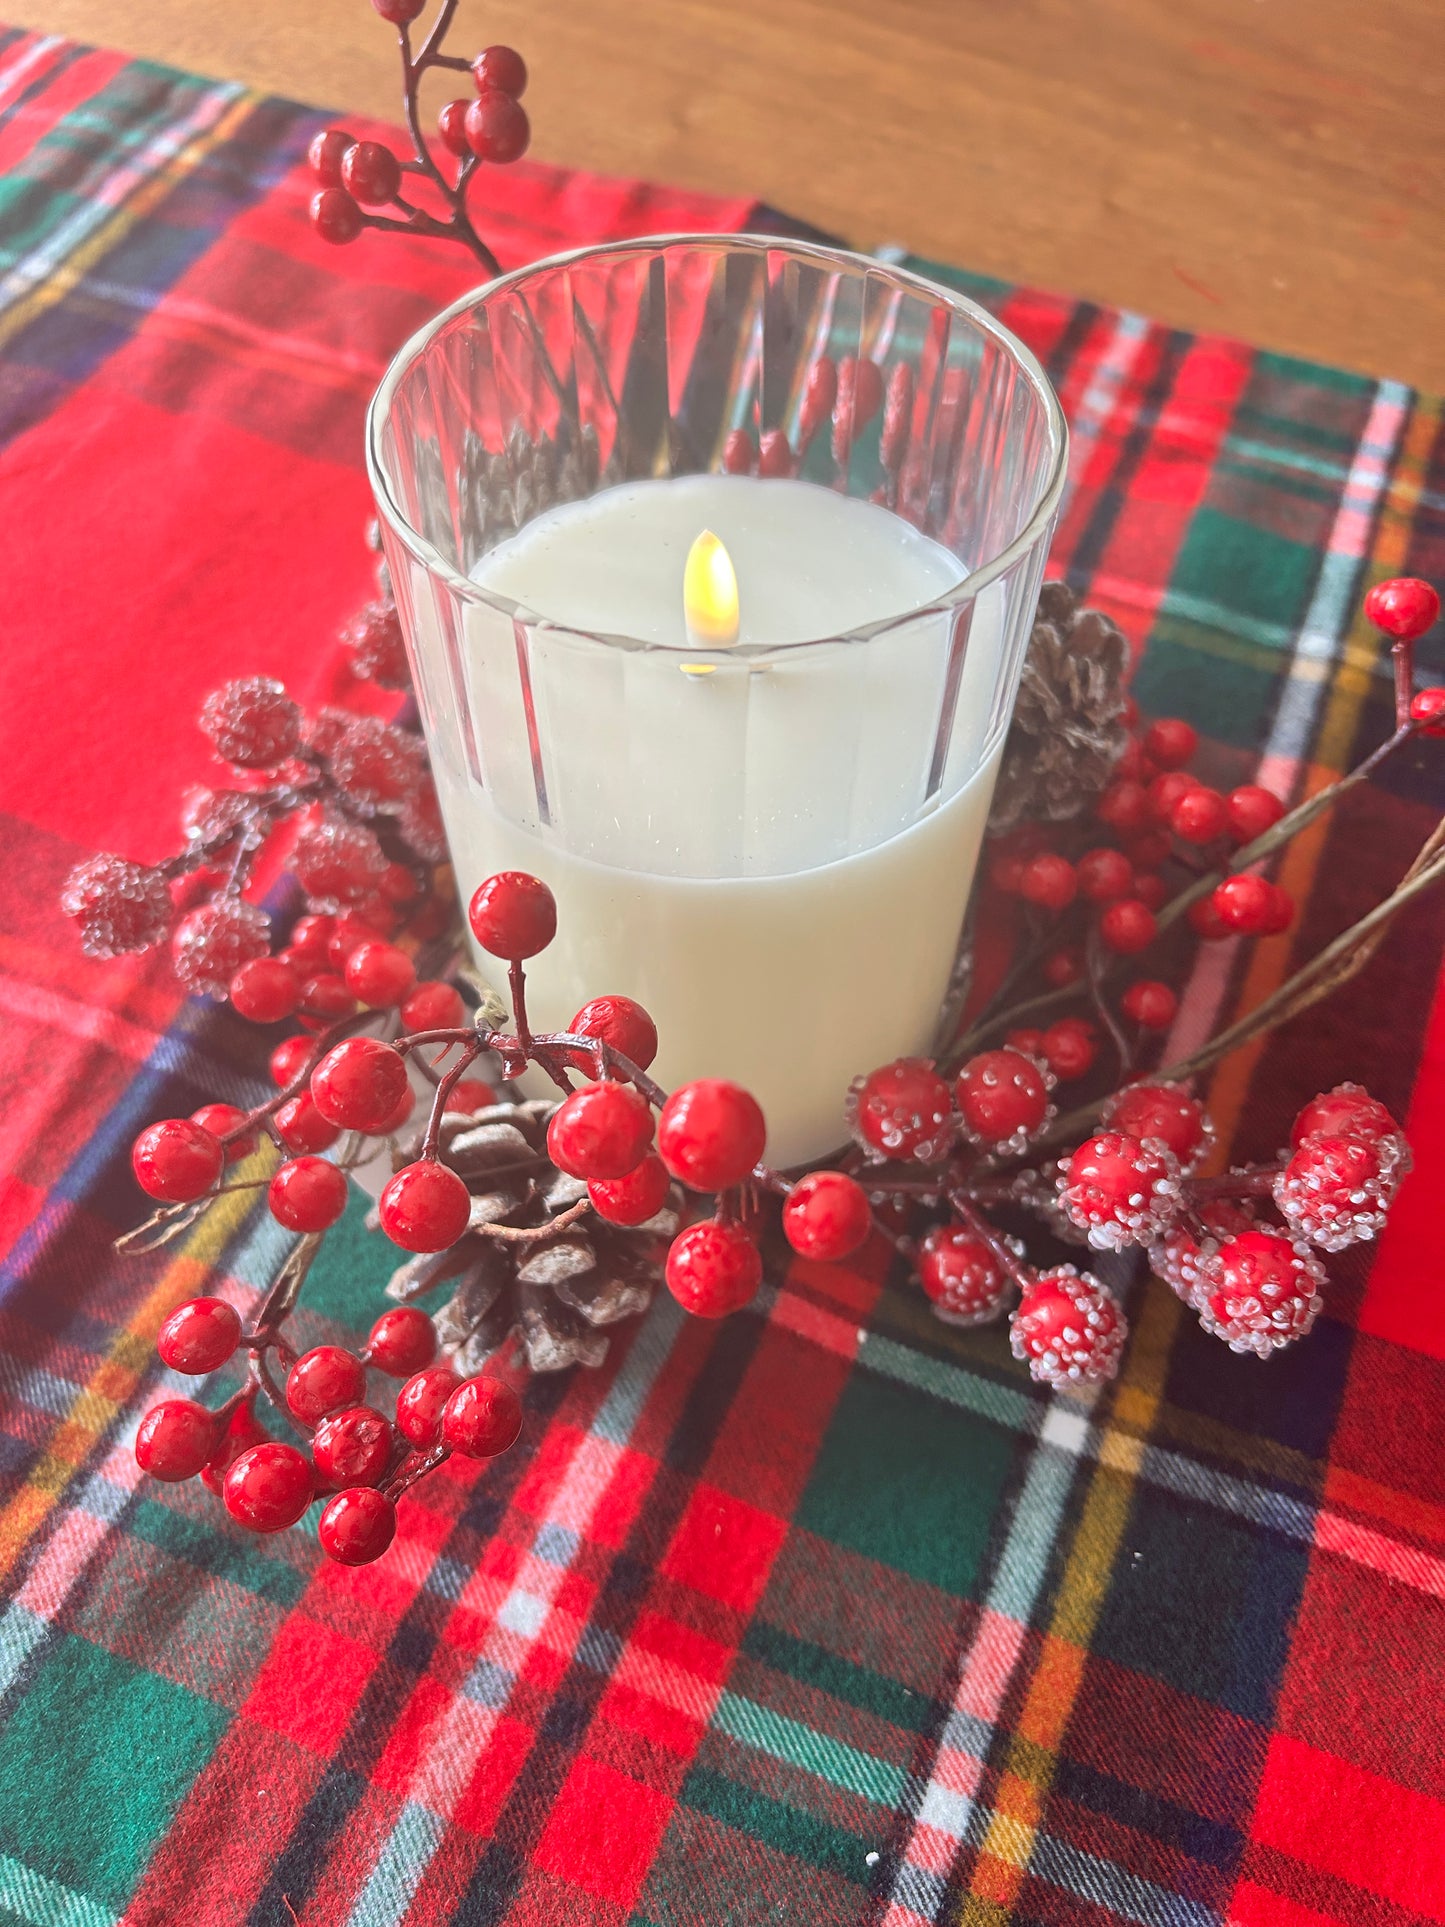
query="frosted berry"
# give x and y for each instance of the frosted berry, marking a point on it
(1104, 874)
(1120, 1191)
(961, 1275)
(421, 1402)
(635, 1198)
(121, 907)
(425, 1207)
(1252, 811)
(336, 862)
(1149, 1004)
(600, 1131)
(199, 1336)
(1263, 1292)
(379, 974)
(371, 173)
(1049, 881)
(1123, 805)
(211, 942)
(252, 722)
(452, 128)
(623, 1024)
(1200, 816)
(348, 933)
(903, 1110)
(219, 1120)
(268, 1488)
(307, 1194)
(402, 1341)
(1170, 742)
(356, 1526)
(374, 762)
(358, 1084)
(289, 1059)
(710, 1134)
(433, 1006)
(502, 68)
(1164, 1111)
(1336, 1191)
(1067, 1329)
(1069, 1048)
(302, 1128)
(326, 153)
(497, 127)
(1127, 926)
(1003, 1099)
(352, 1447)
(513, 915)
(1428, 706)
(713, 1269)
(176, 1439)
(265, 990)
(1245, 904)
(826, 1216)
(378, 648)
(482, 1417)
(324, 1380)
(176, 1160)
(1347, 1110)
(1184, 1255)
(1404, 607)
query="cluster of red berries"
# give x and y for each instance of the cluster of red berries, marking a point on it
(846, 395)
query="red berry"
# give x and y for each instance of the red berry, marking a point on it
(302, 1128)
(600, 1131)
(470, 1095)
(211, 942)
(307, 1194)
(1049, 881)
(1263, 1292)
(1245, 904)
(1030, 1042)
(425, 1207)
(265, 990)
(1200, 815)
(903, 1110)
(1163, 1111)
(337, 862)
(1133, 763)
(826, 1217)
(1170, 742)
(483, 1417)
(1336, 1191)
(176, 1439)
(897, 415)
(1346, 1111)
(289, 1059)
(252, 722)
(433, 1006)
(352, 1447)
(395, 1119)
(348, 933)
(1123, 805)
(1148, 849)
(623, 1024)
(268, 1488)
(961, 1275)
(308, 950)
(1252, 811)
(1281, 911)
(513, 915)
(1182, 1259)
(371, 173)
(1150, 1004)
(219, 1120)
(1064, 966)
(1069, 1047)
(176, 1160)
(401, 1342)
(1149, 890)
(1206, 921)
(421, 1402)
(359, 1083)
(121, 907)
(859, 397)
(326, 153)
(739, 453)
(502, 68)
(1428, 706)
(324, 1380)
(399, 12)
(1404, 607)
(1067, 1329)
(820, 392)
(398, 884)
(710, 1134)
(324, 999)
(713, 1269)
(635, 1198)
(199, 1336)
(497, 127)
(775, 454)
(1104, 874)
(1127, 926)
(356, 1526)
(1003, 1098)
(1120, 1191)
(1167, 791)
(420, 822)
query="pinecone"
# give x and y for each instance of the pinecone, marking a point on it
(1068, 726)
(559, 1290)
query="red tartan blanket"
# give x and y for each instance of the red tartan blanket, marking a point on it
(823, 1615)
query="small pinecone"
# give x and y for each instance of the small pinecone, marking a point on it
(1068, 726)
(558, 1293)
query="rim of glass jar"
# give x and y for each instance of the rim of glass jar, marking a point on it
(464, 587)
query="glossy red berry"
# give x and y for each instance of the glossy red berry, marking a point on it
(961, 1275)
(857, 399)
(820, 392)
(1263, 1292)
(359, 1083)
(600, 1131)
(307, 953)
(513, 915)
(1067, 1329)
(402, 1341)
(324, 1380)
(1164, 1111)
(452, 128)
(711, 1133)
(220, 1120)
(1003, 1098)
(1348, 1110)
(240, 1432)
(265, 990)
(1150, 1004)
(1200, 816)
(289, 1059)
(352, 1447)
(1170, 742)
(1120, 1191)
(826, 1217)
(302, 1128)
(371, 173)
(903, 1110)
(635, 1198)
(326, 153)
(775, 454)
(1127, 926)
(1252, 811)
(470, 1095)
(1123, 805)
(379, 974)
(1149, 889)
(497, 127)
(176, 1439)
(1167, 791)
(623, 1024)
(502, 68)
(268, 1488)
(1069, 1047)
(324, 999)
(335, 216)
(1104, 874)
(482, 1417)
(740, 453)
(1404, 607)
(1049, 881)
(1281, 911)
(1428, 706)
(1064, 966)
(713, 1269)
(433, 1006)
(176, 1160)
(425, 1207)
(1245, 904)
(1206, 921)
(1147, 849)
(348, 933)
(199, 1336)
(1336, 1191)
(356, 1526)
(421, 1402)
(399, 12)
(307, 1194)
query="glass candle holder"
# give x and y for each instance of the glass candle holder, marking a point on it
(754, 772)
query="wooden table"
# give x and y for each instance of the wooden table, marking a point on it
(1270, 168)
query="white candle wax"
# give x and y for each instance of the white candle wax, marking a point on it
(773, 856)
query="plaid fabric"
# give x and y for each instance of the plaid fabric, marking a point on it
(823, 1615)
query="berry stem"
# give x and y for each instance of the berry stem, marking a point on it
(445, 1084)
(963, 1208)
(459, 227)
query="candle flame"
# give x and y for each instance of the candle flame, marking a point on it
(710, 594)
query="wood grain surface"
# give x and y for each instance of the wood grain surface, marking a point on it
(1270, 168)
